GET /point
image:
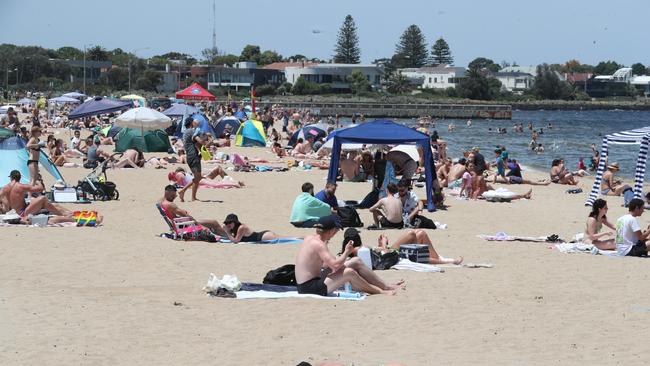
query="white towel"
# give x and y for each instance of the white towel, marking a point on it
(407, 265)
(281, 295)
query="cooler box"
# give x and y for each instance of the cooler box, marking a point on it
(68, 194)
(418, 253)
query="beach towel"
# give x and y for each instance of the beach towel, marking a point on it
(584, 248)
(248, 290)
(505, 237)
(272, 241)
(85, 218)
(406, 265)
(61, 224)
(307, 207)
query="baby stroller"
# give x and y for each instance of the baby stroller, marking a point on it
(96, 184)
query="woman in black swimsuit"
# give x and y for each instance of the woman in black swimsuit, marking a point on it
(238, 232)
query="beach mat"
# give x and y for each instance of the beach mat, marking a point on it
(62, 224)
(273, 241)
(264, 291)
(406, 265)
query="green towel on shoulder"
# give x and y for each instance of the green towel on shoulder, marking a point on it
(307, 207)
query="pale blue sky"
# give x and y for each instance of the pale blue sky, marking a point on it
(529, 32)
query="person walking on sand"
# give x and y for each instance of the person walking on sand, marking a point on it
(192, 139)
(318, 272)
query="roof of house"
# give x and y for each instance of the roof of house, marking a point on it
(442, 69)
(511, 74)
(283, 65)
(577, 77)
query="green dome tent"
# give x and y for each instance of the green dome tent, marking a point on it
(151, 141)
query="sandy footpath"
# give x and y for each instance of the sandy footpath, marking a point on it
(121, 295)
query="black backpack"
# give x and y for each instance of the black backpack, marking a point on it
(383, 261)
(349, 217)
(283, 276)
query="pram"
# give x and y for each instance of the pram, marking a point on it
(96, 184)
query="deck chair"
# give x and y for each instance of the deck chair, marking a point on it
(184, 228)
(240, 164)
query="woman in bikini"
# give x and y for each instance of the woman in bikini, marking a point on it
(238, 232)
(597, 218)
(560, 175)
(34, 146)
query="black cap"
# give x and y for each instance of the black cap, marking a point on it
(15, 175)
(328, 222)
(231, 218)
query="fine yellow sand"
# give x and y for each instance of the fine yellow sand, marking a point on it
(121, 295)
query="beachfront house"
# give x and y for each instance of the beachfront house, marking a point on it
(336, 75)
(438, 77)
(242, 75)
(620, 83)
(514, 81)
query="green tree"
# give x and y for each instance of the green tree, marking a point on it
(548, 85)
(411, 51)
(228, 59)
(209, 54)
(117, 78)
(250, 53)
(572, 66)
(606, 68)
(69, 53)
(347, 43)
(304, 87)
(482, 63)
(474, 86)
(297, 57)
(97, 53)
(149, 80)
(265, 89)
(638, 69)
(440, 53)
(120, 58)
(269, 56)
(359, 83)
(398, 84)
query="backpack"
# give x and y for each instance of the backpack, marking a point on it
(383, 261)
(349, 217)
(283, 276)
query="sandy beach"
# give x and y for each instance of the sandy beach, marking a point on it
(120, 294)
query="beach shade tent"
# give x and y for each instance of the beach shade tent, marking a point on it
(147, 141)
(111, 131)
(14, 156)
(75, 95)
(26, 101)
(63, 100)
(224, 122)
(139, 100)
(316, 130)
(329, 143)
(179, 110)
(99, 105)
(204, 125)
(143, 118)
(195, 92)
(241, 115)
(251, 133)
(384, 132)
(640, 136)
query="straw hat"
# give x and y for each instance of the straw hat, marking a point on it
(614, 166)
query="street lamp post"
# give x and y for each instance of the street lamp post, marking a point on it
(86, 45)
(130, 56)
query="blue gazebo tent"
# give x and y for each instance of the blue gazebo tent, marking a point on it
(640, 136)
(204, 125)
(179, 110)
(384, 132)
(316, 130)
(224, 122)
(99, 105)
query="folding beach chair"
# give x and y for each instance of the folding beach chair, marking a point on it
(184, 228)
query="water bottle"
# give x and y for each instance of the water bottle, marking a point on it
(348, 287)
(349, 295)
(364, 255)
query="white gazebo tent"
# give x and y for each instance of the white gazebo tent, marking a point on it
(640, 136)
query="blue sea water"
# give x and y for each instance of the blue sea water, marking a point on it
(572, 133)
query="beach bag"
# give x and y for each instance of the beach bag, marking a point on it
(205, 154)
(283, 276)
(418, 253)
(628, 195)
(384, 261)
(85, 218)
(349, 217)
(422, 222)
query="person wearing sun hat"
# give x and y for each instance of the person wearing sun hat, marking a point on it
(318, 272)
(610, 186)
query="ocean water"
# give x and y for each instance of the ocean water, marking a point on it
(572, 133)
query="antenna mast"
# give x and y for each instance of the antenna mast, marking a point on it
(214, 25)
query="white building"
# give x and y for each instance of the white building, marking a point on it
(514, 81)
(334, 74)
(439, 77)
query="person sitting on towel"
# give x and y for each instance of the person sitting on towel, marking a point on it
(413, 236)
(318, 272)
(630, 239)
(328, 196)
(391, 215)
(307, 209)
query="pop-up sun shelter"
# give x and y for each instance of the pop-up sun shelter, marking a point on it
(13, 156)
(384, 132)
(195, 92)
(251, 133)
(99, 105)
(640, 136)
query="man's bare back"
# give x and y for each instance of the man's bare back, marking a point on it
(350, 168)
(456, 172)
(308, 260)
(392, 208)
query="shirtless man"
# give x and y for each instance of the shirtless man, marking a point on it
(302, 150)
(174, 211)
(33, 147)
(391, 215)
(456, 173)
(350, 167)
(443, 172)
(14, 198)
(319, 272)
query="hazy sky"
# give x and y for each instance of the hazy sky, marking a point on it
(529, 32)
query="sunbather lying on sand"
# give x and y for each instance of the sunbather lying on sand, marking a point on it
(238, 232)
(185, 180)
